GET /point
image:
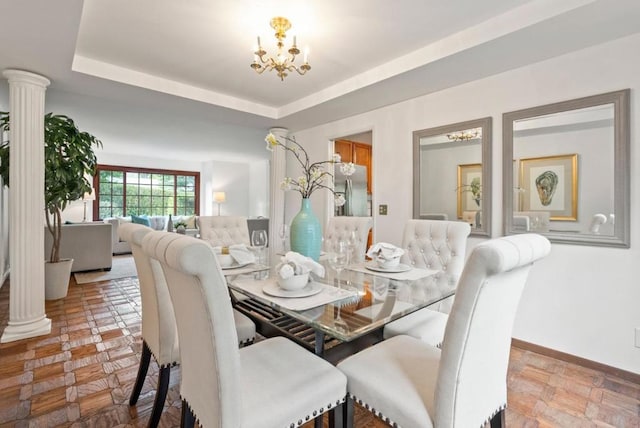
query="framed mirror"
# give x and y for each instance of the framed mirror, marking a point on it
(452, 174)
(566, 170)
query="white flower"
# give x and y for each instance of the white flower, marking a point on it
(336, 157)
(339, 200)
(348, 168)
(302, 181)
(285, 184)
(316, 173)
(271, 141)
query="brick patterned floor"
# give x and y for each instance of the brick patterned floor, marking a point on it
(81, 375)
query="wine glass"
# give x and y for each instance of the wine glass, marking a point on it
(283, 232)
(352, 242)
(259, 241)
(339, 258)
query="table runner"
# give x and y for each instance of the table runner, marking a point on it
(328, 294)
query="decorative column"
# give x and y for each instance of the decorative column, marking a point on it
(26, 207)
(276, 200)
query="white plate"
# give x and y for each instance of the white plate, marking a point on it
(235, 265)
(400, 268)
(274, 289)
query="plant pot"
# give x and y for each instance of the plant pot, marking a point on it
(56, 279)
(306, 235)
(181, 230)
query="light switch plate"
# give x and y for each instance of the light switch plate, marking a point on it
(382, 209)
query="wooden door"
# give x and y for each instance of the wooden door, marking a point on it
(344, 149)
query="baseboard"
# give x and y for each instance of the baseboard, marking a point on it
(563, 356)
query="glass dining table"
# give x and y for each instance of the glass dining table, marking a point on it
(345, 313)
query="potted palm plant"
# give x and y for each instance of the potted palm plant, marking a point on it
(68, 161)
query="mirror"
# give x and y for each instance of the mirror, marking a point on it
(566, 170)
(452, 174)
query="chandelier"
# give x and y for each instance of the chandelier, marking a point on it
(283, 64)
(466, 135)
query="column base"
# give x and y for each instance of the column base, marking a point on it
(26, 330)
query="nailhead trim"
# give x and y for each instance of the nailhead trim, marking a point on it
(395, 424)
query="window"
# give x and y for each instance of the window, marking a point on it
(123, 191)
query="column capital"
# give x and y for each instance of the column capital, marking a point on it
(279, 132)
(22, 76)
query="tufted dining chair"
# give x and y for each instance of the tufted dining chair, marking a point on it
(409, 383)
(224, 230)
(272, 383)
(439, 245)
(340, 228)
(159, 333)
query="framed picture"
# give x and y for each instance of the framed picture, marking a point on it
(550, 184)
(469, 188)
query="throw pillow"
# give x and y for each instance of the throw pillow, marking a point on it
(141, 220)
(191, 221)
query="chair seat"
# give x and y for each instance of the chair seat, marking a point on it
(425, 324)
(396, 377)
(284, 384)
(245, 328)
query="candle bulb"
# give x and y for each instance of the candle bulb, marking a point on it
(258, 42)
(294, 40)
(306, 55)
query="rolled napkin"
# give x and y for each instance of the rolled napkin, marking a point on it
(240, 253)
(384, 251)
(294, 263)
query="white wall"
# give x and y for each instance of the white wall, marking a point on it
(231, 178)
(439, 176)
(581, 300)
(259, 189)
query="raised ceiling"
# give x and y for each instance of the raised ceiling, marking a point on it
(193, 57)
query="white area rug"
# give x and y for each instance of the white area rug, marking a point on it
(121, 267)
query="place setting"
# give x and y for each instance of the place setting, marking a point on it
(294, 286)
(237, 259)
(385, 262)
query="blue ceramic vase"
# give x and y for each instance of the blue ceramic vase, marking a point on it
(306, 234)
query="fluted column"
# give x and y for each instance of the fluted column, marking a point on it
(26, 206)
(276, 200)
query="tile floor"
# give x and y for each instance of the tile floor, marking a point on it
(81, 375)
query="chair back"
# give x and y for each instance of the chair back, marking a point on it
(471, 384)
(158, 321)
(439, 245)
(210, 360)
(340, 228)
(224, 230)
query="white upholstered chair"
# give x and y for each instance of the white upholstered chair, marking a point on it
(340, 228)
(411, 384)
(159, 333)
(439, 245)
(272, 383)
(224, 230)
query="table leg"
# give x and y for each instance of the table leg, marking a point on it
(319, 343)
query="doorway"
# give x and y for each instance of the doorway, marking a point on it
(356, 148)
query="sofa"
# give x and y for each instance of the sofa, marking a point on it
(88, 244)
(157, 223)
